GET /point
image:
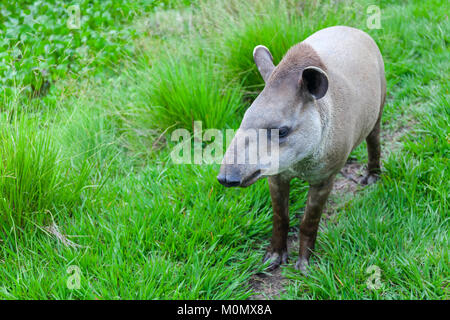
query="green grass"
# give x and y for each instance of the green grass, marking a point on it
(92, 156)
(175, 91)
(34, 178)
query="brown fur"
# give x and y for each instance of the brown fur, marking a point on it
(297, 58)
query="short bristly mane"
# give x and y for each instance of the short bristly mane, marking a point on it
(297, 58)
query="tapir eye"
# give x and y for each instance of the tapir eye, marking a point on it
(283, 132)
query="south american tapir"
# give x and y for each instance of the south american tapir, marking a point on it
(322, 100)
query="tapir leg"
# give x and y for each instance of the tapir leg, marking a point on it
(317, 197)
(279, 192)
(374, 155)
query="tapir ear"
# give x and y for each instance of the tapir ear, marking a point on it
(264, 61)
(315, 80)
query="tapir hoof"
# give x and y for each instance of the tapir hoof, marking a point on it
(370, 178)
(275, 258)
(302, 265)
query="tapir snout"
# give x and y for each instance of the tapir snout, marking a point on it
(229, 176)
(245, 162)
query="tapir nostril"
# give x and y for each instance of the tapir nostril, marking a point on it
(221, 178)
(227, 183)
(232, 183)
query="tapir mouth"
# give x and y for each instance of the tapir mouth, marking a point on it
(251, 179)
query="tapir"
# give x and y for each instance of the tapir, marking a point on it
(323, 99)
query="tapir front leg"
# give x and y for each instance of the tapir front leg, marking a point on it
(317, 197)
(279, 192)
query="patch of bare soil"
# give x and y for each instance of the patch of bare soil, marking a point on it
(269, 285)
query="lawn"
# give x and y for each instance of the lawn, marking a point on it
(93, 207)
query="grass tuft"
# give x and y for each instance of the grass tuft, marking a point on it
(35, 181)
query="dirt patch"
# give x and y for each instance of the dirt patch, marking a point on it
(349, 179)
(269, 285)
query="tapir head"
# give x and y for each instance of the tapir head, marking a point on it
(283, 125)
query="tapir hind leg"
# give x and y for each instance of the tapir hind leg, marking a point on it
(374, 155)
(277, 251)
(317, 197)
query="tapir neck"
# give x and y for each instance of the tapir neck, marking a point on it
(324, 108)
(309, 168)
